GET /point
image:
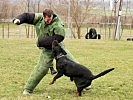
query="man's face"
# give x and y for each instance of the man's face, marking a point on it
(48, 20)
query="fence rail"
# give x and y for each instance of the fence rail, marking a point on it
(8, 30)
(107, 30)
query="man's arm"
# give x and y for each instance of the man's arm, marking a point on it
(24, 18)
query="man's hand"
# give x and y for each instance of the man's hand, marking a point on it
(16, 21)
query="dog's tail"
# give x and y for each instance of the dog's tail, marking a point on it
(103, 73)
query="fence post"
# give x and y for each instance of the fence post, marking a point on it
(26, 30)
(34, 33)
(8, 29)
(31, 31)
(3, 31)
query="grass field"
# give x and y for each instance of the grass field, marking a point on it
(19, 56)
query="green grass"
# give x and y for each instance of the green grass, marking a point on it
(19, 56)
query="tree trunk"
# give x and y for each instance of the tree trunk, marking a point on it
(78, 31)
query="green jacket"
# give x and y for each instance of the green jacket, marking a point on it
(43, 30)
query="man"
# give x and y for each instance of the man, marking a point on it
(48, 27)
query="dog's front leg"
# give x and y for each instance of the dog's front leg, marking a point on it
(56, 77)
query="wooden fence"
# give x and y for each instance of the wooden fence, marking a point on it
(107, 30)
(8, 30)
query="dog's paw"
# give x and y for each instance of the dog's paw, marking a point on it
(51, 83)
(78, 94)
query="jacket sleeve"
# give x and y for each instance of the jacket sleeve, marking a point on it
(47, 41)
(26, 18)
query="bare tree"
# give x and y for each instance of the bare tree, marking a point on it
(30, 5)
(4, 9)
(38, 5)
(79, 12)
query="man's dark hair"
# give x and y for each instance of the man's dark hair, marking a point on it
(48, 12)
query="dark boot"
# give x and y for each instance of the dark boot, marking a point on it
(52, 71)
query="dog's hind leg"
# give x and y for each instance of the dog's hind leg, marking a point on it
(79, 91)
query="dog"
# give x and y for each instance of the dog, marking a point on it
(92, 34)
(78, 73)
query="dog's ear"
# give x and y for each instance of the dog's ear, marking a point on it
(54, 43)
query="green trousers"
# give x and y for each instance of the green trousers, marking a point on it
(42, 67)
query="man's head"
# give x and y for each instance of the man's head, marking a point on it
(48, 15)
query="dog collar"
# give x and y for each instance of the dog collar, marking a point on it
(59, 56)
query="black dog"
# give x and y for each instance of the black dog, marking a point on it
(79, 73)
(92, 34)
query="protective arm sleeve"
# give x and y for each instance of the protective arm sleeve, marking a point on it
(25, 18)
(47, 41)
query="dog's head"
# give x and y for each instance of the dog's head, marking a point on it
(56, 49)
